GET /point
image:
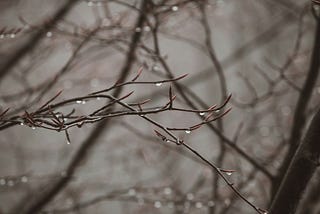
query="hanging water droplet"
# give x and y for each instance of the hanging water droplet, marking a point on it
(167, 190)
(12, 35)
(198, 205)
(2, 36)
(201, 113)
(49, 34)
(138, 29)
(90, 3)
(21, 124)
(155, 68)
(229, 173)
(146, 28)
(157, 204)
(188, 131)
(78, 101)
(174, 8)
(10, 183)
(158, 84)
(217, 111)
(132, 192)
(98, 98)
(227, 202)
(190, 196)
(24, 179)
(68, 142)
(33, 127)
(3, 181)
(83, 102)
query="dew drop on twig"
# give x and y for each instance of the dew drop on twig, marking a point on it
(229, 173)
(198, 205)
(190, 196)
(24, 179)
(188, 131)
(157, 204)
(49, 34)
(3, 181)
(201, 113)
(167, 190)
(158, 84)
(174, 8)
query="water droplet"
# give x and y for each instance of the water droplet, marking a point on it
(24, 179)
(98, 98)
(155, 68)
(138, 29)
(167, 190)
(12, 35)
(217, 111)
(83, 102)
(174, 8)
(158, 84)
(132, 192)
(80, 124)
(68, 142)
(146, 28)
(90, 3)
(188, 131)
(211, 204)
(157, 204)
(10, 183)
(33, 127)
(3, 181)
(229, 173)
(78, 101)
(201, 113)
(2, 36)
(190, 196)
(227, 202)
(198, 205)
(49, 34)
(21, 124)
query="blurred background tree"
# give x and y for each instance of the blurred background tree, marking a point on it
(97, 114)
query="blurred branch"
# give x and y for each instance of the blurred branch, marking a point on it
(35, 39)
